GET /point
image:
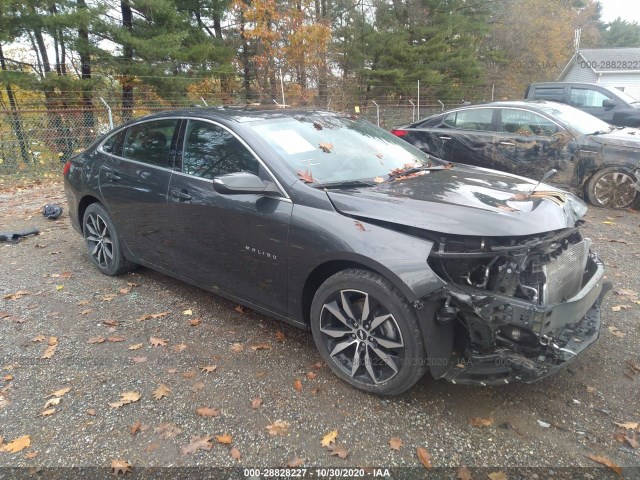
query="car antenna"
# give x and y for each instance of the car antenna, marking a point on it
(544, 177)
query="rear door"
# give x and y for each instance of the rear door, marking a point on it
(470, 133)
(134, 180)
(234, 243)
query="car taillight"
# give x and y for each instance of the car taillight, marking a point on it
(66, 168)
(399, 133)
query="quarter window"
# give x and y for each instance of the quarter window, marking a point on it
(475, 119)
(584, 97)
(151, 142)
(113, 145)
(210, 150)
(523, 122)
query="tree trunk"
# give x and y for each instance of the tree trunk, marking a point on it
(246, 74)
(16, 122)
(127, 53)
(85, 78)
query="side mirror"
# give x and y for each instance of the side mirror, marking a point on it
(608, 104)
(243, 183)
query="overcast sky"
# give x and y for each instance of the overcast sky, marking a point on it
(628, 10)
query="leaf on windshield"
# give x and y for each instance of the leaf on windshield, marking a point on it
(379, 155)
(317, 125)
(326, 147)
(306, 175)
(378, 179)
(448, 166)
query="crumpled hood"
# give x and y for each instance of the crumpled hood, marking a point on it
(464, 201)
(623, 137)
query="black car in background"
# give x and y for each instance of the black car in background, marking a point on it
(598, 161)
(393, 259)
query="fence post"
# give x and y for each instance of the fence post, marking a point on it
(441, 106)
(418, 99)
(204, 101)
(108, 110)
(377, 111)
(413, 111)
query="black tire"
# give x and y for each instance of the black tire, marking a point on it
(103, 243)
(612, 187)
(387, 341)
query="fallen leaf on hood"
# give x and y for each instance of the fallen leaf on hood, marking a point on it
(256, 402)
(197, 443)
(329, 438)
(235, 453)
(341, 451)
(295, 462)
(378, 180)
(208, 412)
(94, 340)
(326, 147)
(280, 336)
(260, 346)
(463, 473)
(237, 347)
(396, 443)
(167, 430)
(297, 384)
(161, 391)
(60, 393)
(605, 461)
(424, 457)
(317, 125)
(16, 445)
(480, 422)
(359, 226)
(279, 427)
(152, 316)
(224, 439)
(157, 342)
(120, 467)
(208, 368)
(306, 176)
(136, 346)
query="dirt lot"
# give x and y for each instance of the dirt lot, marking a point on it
(252, 372)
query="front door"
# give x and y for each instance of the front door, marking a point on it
(590, 101)
(234, 243)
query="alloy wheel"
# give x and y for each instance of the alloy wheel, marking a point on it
(99, 240)
(615, 190)
(362, 337)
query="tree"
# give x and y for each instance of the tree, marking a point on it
(621, 33)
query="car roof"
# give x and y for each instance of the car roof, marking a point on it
(531, 104)
(237, 114)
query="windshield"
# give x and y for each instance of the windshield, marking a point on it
(326, 148)
(620, 94)
(583, 122)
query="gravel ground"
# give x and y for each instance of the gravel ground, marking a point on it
(104, 350)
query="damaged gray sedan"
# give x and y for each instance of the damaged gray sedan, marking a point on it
(399, 263)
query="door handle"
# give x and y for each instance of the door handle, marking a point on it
(509, 144)
(445, 138)
(112, 175)
(180, 194)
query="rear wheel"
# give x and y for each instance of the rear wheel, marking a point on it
(368, 333)
(613, 187)
(102, 242)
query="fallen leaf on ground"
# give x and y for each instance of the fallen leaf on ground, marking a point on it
(87, 311)
(340, 450)
(180, 347)
(161, 391)
(208, 368)
(311, 375)
(463, 473)
(16, 296)
(237, 347)
(424, 457)
(225, 439)
(16, 445)
(157, 342)
(139, 359)
(591, 389)
(279, 427)
(396, 443)
(194, 322)
(60, 393)
(135, 427)
(208, 412)
(297, 384)
(295, 462)
(197, 386)
(120, 467)
(125, 399)
(260, 346)
(167, 430)
(51, 347)
(235, 453)
(52, 402)
(280, 336)
(256, 402)
(605, 461)
(239, 309)
(7, 378)
(125, 291)
(633, 441)
(115, 339)
(497, 476)
(30, 455)
(188, 312)
(189, 374)
(108, 298)
(136, 346)
(480, 422)
(47, 412)
(197, 443)
(39, 338)
(150, 316)
(91, 412)
(628, 425)
(329, 438)
(616, 332)
(111, 323)
(96, 340)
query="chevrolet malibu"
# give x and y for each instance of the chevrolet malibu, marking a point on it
(398, 263)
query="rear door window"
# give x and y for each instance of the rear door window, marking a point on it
(474, 119)
(151, 142)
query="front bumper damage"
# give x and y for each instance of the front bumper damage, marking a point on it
(557, 333)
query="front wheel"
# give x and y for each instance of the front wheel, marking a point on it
(613, 187)
(102, 241)
(368, 333)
